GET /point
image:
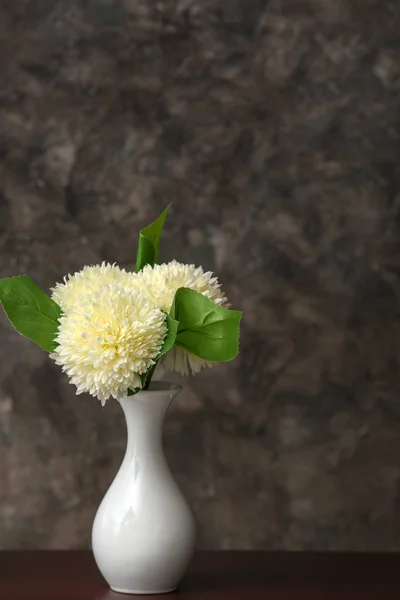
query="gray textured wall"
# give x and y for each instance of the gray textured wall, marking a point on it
(274, 127)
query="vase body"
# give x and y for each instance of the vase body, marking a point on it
(144, 534)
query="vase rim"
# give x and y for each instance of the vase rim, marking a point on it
(162, 386)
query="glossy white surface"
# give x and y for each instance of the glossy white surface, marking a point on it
(144, 534)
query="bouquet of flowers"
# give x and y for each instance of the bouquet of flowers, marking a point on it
(109, 328)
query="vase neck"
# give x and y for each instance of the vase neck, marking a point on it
(144, 414)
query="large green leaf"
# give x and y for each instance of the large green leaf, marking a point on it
(32, 312)
(205, 329)
(149, 242)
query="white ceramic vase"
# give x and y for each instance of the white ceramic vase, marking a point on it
(144, 533)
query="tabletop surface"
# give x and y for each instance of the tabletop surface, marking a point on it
(73, 575)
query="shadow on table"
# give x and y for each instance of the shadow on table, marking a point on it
(206, 583)
(239, 575)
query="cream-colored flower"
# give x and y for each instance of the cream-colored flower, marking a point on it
(181, 361)
(159, 284)
(89, 280)
(107, 339)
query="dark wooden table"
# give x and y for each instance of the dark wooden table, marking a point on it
(59, 575)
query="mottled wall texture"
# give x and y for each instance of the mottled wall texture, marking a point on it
(274, 128)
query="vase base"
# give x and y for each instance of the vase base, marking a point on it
(142, 592)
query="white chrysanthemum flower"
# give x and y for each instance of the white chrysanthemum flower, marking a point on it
(180, 360)
(87, 281)
(108, 339)
(159, 284)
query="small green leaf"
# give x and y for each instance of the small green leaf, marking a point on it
(169, 341)
(205, 329)
(143, 378)
(149, 242)
(170, 338)
(32, 312)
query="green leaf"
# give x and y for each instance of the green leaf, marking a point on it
(169, 341)
(143, 378)
(170, 338)
(149, 242)
(205, 329)
(32, 312)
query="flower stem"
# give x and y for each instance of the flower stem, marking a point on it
(149, 376)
